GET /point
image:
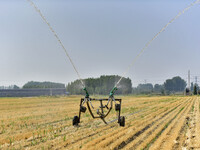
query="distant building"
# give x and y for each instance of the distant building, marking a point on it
(32, 92)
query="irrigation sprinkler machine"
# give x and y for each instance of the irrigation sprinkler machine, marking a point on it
(103, 110)
(102, 113)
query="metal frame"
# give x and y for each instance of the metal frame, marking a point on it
(100, 112)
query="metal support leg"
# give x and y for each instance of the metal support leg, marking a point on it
(80, 110)
(119, 112)
(101, 113)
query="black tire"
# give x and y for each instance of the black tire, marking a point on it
(122, 121)
(75, 121)
(117, 107)
(83, 109)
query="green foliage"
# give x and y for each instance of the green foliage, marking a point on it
(9, 87)
(158, 88)
(15, 87)
(101, 86)
(195, 90)
(176, 84)
(33, 84)
(145, 88)
(64, 138)
(148, 89)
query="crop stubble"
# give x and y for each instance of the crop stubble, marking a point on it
(45, 123)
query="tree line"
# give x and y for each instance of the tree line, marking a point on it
(174, 85)
(102, 85)
(9, 87)
(42, 85)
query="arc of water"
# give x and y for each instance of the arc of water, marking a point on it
(148, 43)
(135, 59)
(58, 39)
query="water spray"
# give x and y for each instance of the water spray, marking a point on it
(148, 43)
(101, 112)
(58, 39)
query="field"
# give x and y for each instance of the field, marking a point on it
(151, 123)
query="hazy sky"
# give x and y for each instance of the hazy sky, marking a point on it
(101, 36)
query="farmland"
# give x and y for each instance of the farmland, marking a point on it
(170, 122)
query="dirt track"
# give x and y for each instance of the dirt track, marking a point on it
(45, 123)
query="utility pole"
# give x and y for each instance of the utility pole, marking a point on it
(189, 79)
(196, 80)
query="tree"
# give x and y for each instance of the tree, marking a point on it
(176, 84)
(195, 90)
(15, 87)
(102, 85)
(145, 88)
(158, 88)
(187, 91)
(33, 84)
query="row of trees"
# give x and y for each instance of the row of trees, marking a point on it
(102, 85)
(194, 89)
(9, 87)
(33, 84)
(176, 84)
(148, 89)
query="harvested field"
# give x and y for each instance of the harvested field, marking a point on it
(151, 123)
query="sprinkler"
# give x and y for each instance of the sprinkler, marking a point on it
(86, 93)
(87, 99)
(112, 92)
(103, 110)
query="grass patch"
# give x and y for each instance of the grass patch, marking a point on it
(192, 108)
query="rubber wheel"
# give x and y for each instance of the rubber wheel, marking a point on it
(117, 107)
(122, 121)
(83, 109)
(75, 121)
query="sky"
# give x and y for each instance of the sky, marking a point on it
(101, 36)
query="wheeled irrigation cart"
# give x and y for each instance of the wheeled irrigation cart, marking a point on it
(101, 112)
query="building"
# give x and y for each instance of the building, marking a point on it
(32, 92)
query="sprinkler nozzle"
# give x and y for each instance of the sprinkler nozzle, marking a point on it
(86, 93)
(112, 92)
